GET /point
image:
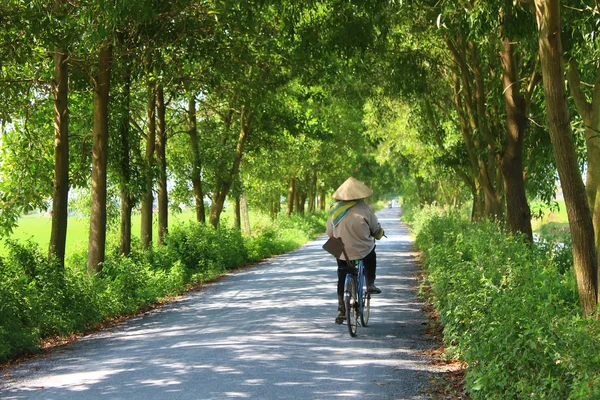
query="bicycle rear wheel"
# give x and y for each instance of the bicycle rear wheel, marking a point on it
(351, 303)
(366, 303)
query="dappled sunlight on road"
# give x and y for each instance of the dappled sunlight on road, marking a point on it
(74, 381)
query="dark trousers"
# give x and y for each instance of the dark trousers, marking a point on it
(370, 263)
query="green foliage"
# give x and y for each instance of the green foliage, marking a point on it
(202, 248)
(40, 299)
(510, 311)
(284, 234)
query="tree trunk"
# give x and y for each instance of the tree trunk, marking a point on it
(125, 181)
(590, 113)
(60, 194)
(219, 197)
(97, 238)
(161, 158)
(472, 116)
(302, 203)
(291, 197)
(148, 175)
(237, 213)
(477, 212)
(322, 200)
(297, 200)
(593, 174)
(578, 212)
(216, 208)
(313, 193)
(245, 214)
(196, 162)
(518, 214)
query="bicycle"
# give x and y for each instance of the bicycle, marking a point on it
(357, 299)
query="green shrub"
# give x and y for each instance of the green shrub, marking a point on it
(510, 311)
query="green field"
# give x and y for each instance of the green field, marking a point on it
(37, 228)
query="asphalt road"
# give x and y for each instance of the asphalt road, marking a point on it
(265, 332)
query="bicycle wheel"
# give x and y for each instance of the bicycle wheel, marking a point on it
(366, 303)
(351, 303)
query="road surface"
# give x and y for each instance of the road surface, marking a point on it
(264, 332)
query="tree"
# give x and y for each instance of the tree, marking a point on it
(518, 216)
(578, 212)
(147, 202)
(196, 161)
(97, 237)
(127, 199)
(60, 88)
(581, 59)
(161, 160)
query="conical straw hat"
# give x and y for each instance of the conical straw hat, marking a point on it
(352, 189)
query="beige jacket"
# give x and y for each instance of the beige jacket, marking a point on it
(356, 229)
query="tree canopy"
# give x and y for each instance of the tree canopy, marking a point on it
(164, 104)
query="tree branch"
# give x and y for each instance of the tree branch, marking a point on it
(137, 127)
(581, 102)
(533, 81)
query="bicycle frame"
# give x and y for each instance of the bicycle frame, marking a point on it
(354, 296)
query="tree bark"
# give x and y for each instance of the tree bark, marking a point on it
(125, 161)
(97, 238)
(60, 193)
(313, 193)
(302, 202)
(245, 214)
(291, 197)
(196, 162)
(161, 158)
(297, 196)
(578, 212)
(518, 214)
(148, 175)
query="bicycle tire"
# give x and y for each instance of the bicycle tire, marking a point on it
(366, 303)
(351, 303)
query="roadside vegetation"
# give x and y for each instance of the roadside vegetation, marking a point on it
(509, 309)
(41, 300)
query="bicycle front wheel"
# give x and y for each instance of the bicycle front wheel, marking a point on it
(351, 303)
(366, 303)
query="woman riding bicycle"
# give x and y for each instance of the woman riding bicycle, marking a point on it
(352, 220)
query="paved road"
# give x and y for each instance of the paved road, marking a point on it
(266, 332)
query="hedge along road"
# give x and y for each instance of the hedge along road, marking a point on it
(265, 332)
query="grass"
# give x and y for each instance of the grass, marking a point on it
(37, 227)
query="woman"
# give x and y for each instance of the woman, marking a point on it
(353, 221)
